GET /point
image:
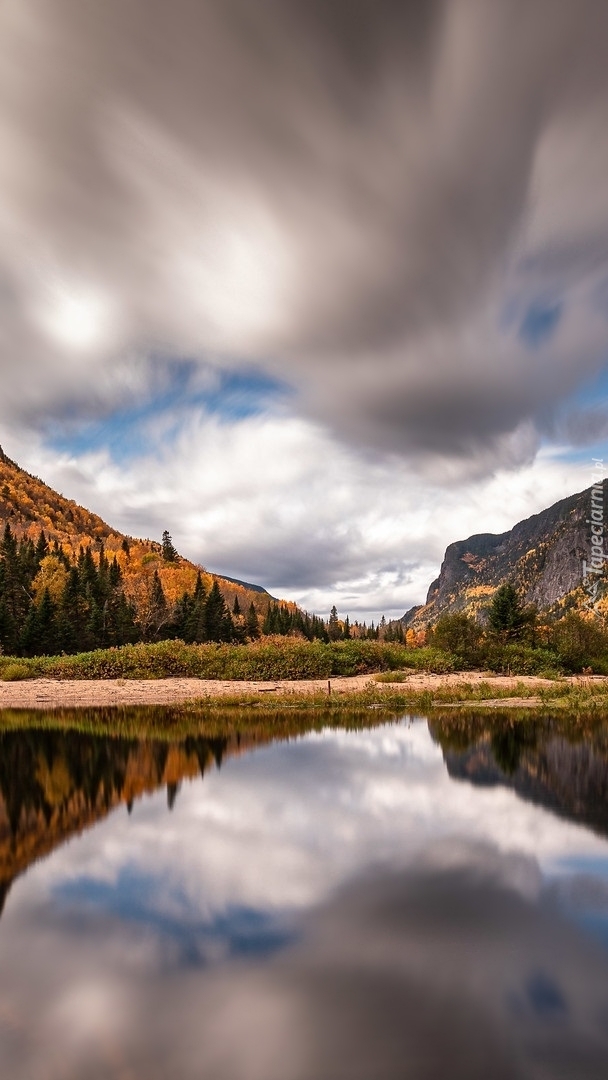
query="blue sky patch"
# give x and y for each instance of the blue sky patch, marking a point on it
(238, 930)
(540, 323)
(177, 387)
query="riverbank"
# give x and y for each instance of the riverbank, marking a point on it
(415, 689)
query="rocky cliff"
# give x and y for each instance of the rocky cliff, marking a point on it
(543, 556)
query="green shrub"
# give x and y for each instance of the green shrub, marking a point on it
(519, 659)
(581, 642)
(14, 672)
(459, 635)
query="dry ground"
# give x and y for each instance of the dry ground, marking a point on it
(54, 693)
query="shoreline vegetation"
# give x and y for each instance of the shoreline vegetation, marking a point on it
(288, 658)
(286, 673)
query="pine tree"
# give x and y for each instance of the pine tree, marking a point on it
(507, 616)
(70, 617)
(334, 629)
(169, 552)
(217, 616)
(194, 630)
(252, 625)
(42, 547)
(158, 605)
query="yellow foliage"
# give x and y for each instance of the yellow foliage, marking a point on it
(32, 505)
(52, 575)
(481, 590)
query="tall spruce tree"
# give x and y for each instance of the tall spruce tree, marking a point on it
(334, 629)
(252, 625)
(507, 617)
(218, 624)
(169, 552)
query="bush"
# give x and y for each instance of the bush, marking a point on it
(581, 642)
(14, 672)
(459, 635)
(518, 659)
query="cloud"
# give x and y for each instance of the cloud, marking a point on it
(274, 499)
(354, 203)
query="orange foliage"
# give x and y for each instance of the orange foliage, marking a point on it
(29, 505)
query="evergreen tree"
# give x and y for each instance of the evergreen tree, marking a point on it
(159, 611)
(114, 574)
(14, 585)
(252, 625)
(334, 629)
(507, 617)
(39, 635)
(195, 629)
(169, 552)
(71, 615)
(42, 547)
(218, 624)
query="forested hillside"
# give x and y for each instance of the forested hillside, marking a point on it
(69, 582)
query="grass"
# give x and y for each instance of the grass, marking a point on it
(291, 659)
(272, 658)
(238, 711)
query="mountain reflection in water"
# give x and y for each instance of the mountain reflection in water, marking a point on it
(410, 900)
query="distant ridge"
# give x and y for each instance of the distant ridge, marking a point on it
(248, 585)
(543, 556)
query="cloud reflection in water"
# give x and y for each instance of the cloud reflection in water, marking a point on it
(422, 934)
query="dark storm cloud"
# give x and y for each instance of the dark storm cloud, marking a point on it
(354, 194)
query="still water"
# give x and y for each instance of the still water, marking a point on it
(414, 899)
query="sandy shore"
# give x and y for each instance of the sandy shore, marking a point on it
(53, 693)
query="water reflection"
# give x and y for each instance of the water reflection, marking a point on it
(556, 765)
(55, 784)
(414, 899)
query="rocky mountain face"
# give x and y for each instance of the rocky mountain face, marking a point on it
(542, 556)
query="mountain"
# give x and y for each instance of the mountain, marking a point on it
(248, 585)
(28, 505)
(543, 556)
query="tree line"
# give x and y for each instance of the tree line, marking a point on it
(520, 637)
(52, 603)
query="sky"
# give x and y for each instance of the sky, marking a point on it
(318, 287)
